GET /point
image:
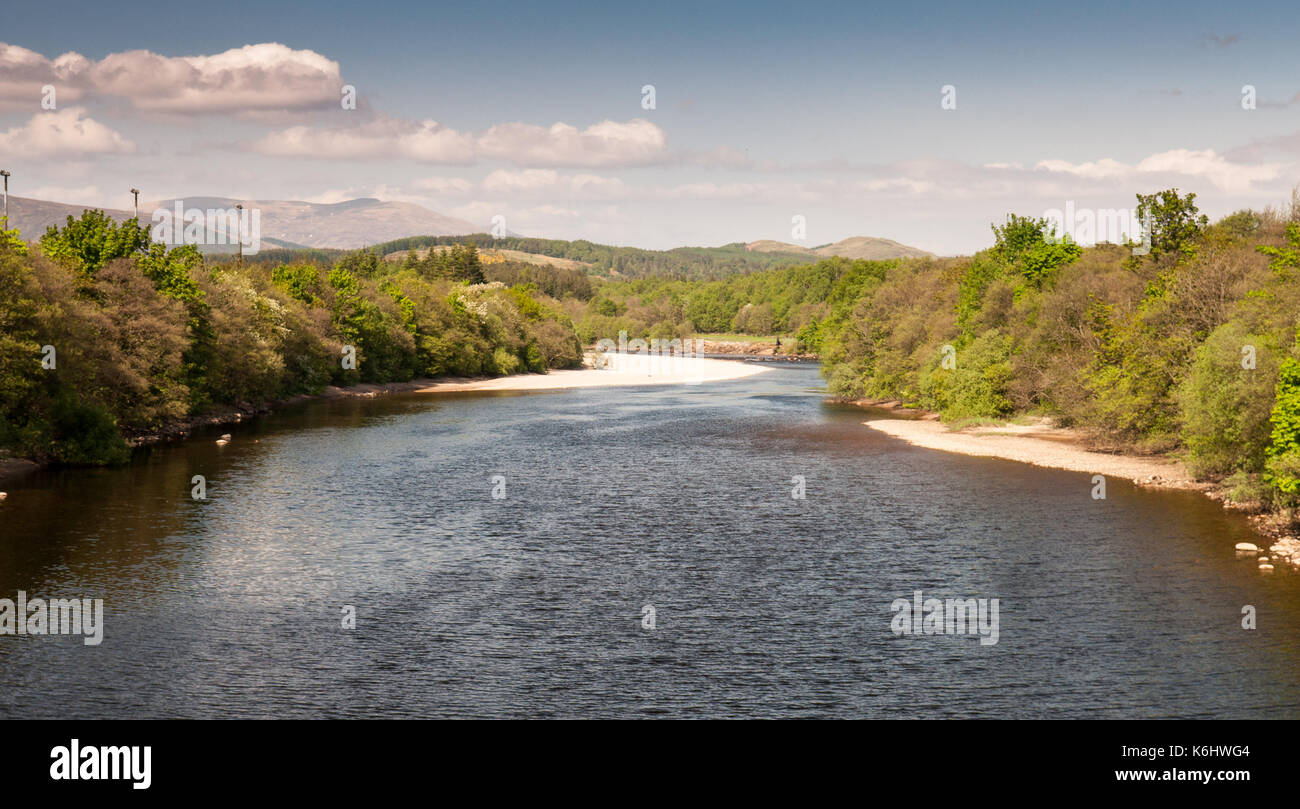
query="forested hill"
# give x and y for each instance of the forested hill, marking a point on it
(683, 263)
(615, 263)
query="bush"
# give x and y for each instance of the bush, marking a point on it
(1226, 408)
(977, 386)
(505, 362)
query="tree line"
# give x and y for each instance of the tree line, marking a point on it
(106, 336)
(1190, 347)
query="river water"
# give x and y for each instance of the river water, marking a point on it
(531, 603)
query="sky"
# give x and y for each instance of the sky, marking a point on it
(924, 123)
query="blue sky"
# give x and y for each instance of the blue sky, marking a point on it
(763, 111)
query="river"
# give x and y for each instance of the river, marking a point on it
(531, 603)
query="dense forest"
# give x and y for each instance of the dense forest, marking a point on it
(105, 336)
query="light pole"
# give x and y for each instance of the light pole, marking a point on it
(239, 225)
(135, 192)
(6, 175)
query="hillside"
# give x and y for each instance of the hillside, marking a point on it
(31, 217)
(492, 256)
(344, 225)
(683, 263)
(287, 224)
(316, 230)
(868, 247)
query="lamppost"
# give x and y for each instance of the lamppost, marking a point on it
(239, 225)
(135, 192)
(6, 175)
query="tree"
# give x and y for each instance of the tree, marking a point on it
(1173, 221)
(1032, 247)
(464, 264)
(12, 240)
(88, 243)
(1282, 469)
(1020, 233)
(1285, 259)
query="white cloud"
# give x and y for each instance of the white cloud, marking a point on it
(899, 183)
(444, 185)
(1206, 164)
(549, 181)
(63, 132)
(1235, 178)
(254, 78)
(529, 180)
(24, 74)
(609, 143)
(383, 137)
(1104, 169)
(713, 191)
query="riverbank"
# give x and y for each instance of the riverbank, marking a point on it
(751, 348)
(1040, 444)
(623, 370)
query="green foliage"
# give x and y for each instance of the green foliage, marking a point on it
(1173, 221)
(504, 362)
(1225, 406)
(1018, 235)
(1286, 260)
(148, 337)
(12, 240)
(88, 243)
(781, 301)
(983, 269)
(977, 386)
(302, 281)
(557, 282)
(1033, 248)
(1039, 263)
(85, 433)
(682, 263)
(1282, 469)
(459, 262)
(1150, 359)
(361, 263)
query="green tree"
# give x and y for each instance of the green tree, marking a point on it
(88, 243)
(1282, 469)
(1285, 260)
(1172, 220)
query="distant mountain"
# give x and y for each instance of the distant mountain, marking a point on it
(289, 224)
(346, 225)
(32, 217)
(391, 228)
(868, 247)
